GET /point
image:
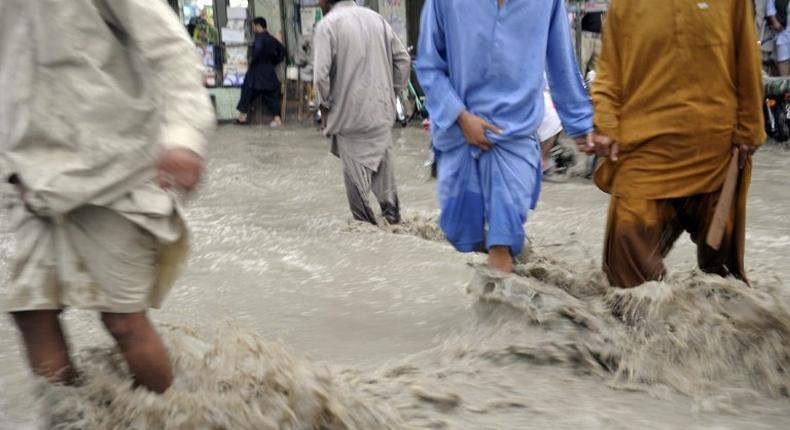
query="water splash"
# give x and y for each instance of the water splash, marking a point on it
(713, 341)
(234, 380)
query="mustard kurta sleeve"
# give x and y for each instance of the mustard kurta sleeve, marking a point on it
(607, 88)
(750, 129)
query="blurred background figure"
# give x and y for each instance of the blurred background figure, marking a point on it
(765, 32)
(777, 11)
(100, 130)
(261, 80)
(549, 133)
(592, 26)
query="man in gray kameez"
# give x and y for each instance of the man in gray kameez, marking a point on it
(359, 65)
(103, 123)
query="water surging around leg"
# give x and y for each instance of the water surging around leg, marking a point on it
(233, 381)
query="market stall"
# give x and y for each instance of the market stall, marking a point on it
(223, 37)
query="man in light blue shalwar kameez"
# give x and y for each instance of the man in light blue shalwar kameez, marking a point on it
(481, 64)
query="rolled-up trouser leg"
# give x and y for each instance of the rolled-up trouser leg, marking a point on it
(358, 180)
(510, 181)
(462, 215)
(639, 234)
(385, 190)
(696, 213)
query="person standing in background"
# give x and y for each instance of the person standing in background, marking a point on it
(548, 133)
(101, 131)
(359, 64)
(261, 79)
(764, 31)
(592, 26)
(760, 8)
(777, 12)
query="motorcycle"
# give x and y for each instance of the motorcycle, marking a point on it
(776, 108)
(777, 117)
(414, 93)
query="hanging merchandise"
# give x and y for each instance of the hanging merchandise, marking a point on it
(234, 38)
(235, 66)
(198, 18)
(207, 55)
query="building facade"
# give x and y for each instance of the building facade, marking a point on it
(221, 31)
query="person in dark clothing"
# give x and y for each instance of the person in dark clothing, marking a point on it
(592, 24)
(261, 78)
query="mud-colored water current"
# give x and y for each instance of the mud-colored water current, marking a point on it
(291, 316)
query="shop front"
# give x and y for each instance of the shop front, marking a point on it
(221, 30)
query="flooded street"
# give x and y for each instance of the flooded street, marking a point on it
(367, 328)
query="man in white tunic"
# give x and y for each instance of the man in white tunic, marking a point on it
(359, 65)
(103, 122)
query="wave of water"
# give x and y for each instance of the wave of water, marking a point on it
(232, 380)
(716, 342)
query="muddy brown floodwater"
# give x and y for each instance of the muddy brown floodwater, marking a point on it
(290, 316)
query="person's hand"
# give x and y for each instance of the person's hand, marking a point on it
(474, 129)
(604, 146)
(179, 169)
(585, 143)
(744, 152)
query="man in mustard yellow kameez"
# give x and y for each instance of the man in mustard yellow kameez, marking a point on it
(678, 89)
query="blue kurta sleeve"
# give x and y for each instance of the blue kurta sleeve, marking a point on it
(443, 102)
(565, 81)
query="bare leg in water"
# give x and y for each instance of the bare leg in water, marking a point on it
(142, 348)
(501, 258)
(48, 353)
(545, 149)
(45, 343)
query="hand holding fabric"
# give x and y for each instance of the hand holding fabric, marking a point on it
(745, 151)
(604, 146)
(474, 129)
(777, 26)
